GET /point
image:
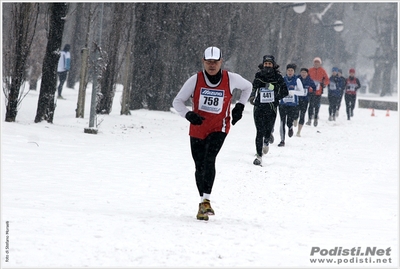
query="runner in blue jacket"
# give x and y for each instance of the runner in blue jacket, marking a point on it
(341, 84)
(309, 86)
(288, 106)
(334, 92)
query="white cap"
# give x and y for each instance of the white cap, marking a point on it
(212, 53)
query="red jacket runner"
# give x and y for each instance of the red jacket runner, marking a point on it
(319, 76)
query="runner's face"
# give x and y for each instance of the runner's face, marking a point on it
(268, 64)
(317, 64)
(290, 72)
(212, 67)
(303, 74)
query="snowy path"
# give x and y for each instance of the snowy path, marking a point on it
(127, 196)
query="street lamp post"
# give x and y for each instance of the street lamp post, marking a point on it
(338, 25)
(317, 18)
(298, 8)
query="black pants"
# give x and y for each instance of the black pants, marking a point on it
(334, 102)
(340, 101)
(62, 76)
(313, 109)
(264, 119)
(350, 100)
(204, 153)
(303, 104)
(287, 115)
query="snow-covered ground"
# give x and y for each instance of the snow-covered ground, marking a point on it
(126, 197)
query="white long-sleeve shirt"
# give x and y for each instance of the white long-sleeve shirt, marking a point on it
(299, 89)
(64, 61)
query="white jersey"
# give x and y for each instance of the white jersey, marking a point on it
(64, 61)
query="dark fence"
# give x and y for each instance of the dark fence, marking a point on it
(375, 104)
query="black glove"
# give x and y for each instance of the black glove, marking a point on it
(194, 118)
(237, 112)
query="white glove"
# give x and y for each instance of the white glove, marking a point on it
(291, 93)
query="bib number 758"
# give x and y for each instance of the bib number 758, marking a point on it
(211, 101)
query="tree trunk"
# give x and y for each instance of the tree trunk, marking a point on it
(376, 81)
(46, 103)
(35, 59)
(386, 75)
(23, 30)
(80, 109)
(389, 35)
(84, 72)
(125, 94)
(110, 74)
(77, 40)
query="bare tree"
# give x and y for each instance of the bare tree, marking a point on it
(17, 47)
(87, 36)
(78, 16)
(35, 59)
(385, 58)
(113, 64)
(46, 102)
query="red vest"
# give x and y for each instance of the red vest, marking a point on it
(351, 85)
(213, 103)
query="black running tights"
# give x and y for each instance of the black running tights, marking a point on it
(204, 153)
(313, 108)
(264, 120)
(303, 104)
(62, 77)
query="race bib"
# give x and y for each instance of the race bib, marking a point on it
(211, 100)
(267, 95)
(351, 88)
(332, 86)
(289, 99)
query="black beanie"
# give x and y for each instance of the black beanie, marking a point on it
(293, 66)
(304, 69)
(269, 58)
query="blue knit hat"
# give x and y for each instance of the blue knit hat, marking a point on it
(335, 69)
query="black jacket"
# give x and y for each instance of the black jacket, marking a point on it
(264, 80)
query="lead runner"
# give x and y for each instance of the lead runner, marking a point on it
(211, 92)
